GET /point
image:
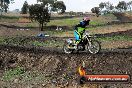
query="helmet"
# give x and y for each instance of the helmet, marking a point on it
(86, 18)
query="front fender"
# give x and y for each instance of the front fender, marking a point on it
(69, 41)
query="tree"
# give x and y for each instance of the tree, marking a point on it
(24, 9)
(59, 7)
(129, 5)
(4, 4)
(96, 10)
(122, 6)
(71, 13)
(46, 2)
(54, 5)
(102, 5)
(109, 7)
(40, 14)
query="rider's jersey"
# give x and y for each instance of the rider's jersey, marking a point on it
(81, 27)
(81, 30)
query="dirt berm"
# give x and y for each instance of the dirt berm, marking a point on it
(124, 17)
(56, 64)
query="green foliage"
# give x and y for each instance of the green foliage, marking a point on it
(46, 2)
(96, 10)
(129, 5)
(59, 6)
(4, 4)
(40, 14)
(107, 5)
(8, 75)
(24, 9)
(102, 5)
(54, 5)
(122, 6)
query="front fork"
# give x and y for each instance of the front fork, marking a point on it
(89, 41)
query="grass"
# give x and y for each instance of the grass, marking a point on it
(20, 42)
(10, 40)
(58, 43)
(9, 18)
(19, 75)
(109, 28)
(49, 43)
(1, 40)
(29, 25)
(10, 74)
(73, 21)
(96, 23)
(65, 22)
(116, 38)
(34, 76)
(70, 22)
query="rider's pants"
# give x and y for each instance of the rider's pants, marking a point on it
(77, 36)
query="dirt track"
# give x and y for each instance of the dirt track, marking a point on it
(54, 61)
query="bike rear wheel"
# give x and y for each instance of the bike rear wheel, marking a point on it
(66, 49)
(94, 47)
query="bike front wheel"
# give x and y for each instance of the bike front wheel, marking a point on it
(66, 48)
(94, 47)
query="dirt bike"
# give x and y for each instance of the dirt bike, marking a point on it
(88, 43)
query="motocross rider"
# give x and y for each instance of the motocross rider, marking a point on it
(80, 29)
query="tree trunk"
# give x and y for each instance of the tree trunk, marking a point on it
(42, 26)
(129, 7)
(39, 26)
(1, 11)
